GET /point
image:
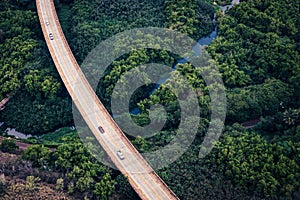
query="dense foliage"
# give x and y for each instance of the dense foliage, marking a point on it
(193, 18)
(82, 173)
(9, 146)
(252, 102)
(94, 21)
(27, 73)
(251, 162)
(256, 51)
(223, 2)
(249, 50)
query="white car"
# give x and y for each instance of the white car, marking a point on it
(120, 155)
(47, 23)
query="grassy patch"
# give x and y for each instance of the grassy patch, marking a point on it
(54, 139)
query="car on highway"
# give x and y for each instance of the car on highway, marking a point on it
(51, 36)
(47, 23)
(101, 129)
(120, 155)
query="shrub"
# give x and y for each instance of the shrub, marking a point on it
(8, 146)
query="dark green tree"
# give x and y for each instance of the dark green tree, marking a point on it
(38, 155)
(9, 146)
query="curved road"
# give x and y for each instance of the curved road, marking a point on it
(142, 177)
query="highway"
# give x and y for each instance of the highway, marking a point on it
(141, 176)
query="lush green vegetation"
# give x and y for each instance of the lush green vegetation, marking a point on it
(254, 101)
(82, 173)
(251, 162)
(249, 50)
(256, 51)
(193, 18)
(101, 19)
(223, 2)
(39, 102)
(54, 139)
(9, 146)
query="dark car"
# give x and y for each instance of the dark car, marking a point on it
(51, 36)
(101, 129)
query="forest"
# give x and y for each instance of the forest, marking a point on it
(257, 52)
